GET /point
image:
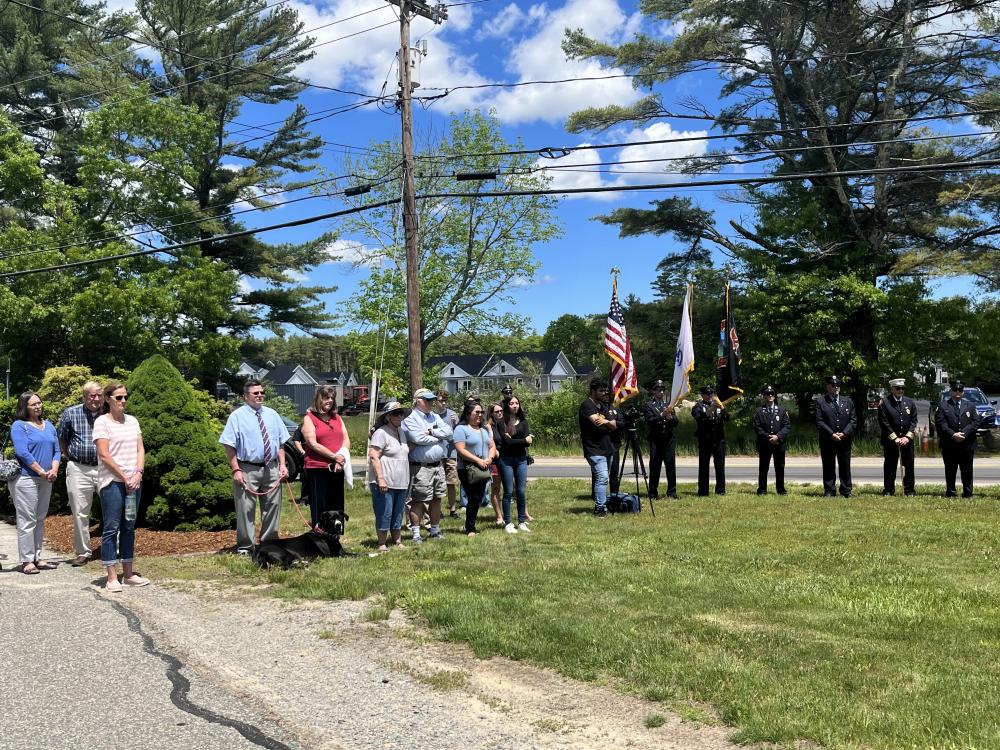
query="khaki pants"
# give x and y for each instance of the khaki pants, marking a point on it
(258, 478)
(81, 486)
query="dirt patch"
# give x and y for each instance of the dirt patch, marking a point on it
(148, 543)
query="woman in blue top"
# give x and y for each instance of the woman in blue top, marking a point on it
(475, 448)
(36, 447)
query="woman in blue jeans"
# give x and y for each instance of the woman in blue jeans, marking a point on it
(389, 474)
(514, 441)
(121, 459)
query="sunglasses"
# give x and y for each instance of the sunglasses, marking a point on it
(256, 393)
(120, 398)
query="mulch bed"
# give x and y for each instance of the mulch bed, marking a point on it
(148, 543)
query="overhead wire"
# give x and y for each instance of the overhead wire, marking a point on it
(941, 167)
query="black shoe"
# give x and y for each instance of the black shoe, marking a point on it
(888, 493)
(782, 492)
(966, 497)
(829, 494)
(912, 493)
(702, 494)
(950, 493)
(761, 492)
(653, 496)
(601, 512)
(672, 495)
(847, 496)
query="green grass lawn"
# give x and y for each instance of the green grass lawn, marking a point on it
(864, 623)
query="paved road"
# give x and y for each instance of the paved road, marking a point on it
(797, 469)
(80, 671)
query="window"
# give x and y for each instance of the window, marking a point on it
(466, 385)
(503, 368)
(520, 381)
(538, 382)
(452, 371)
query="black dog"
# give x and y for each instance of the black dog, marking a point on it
(286, 552)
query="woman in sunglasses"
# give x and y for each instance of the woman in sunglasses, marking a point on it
(120, 461)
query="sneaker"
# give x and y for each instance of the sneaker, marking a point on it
(523, 526)
(509, 528)
(601, 512)
(436, 534)
(136, 580)
(417, 539)
(114, 587)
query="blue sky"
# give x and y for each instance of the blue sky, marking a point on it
(490, 42)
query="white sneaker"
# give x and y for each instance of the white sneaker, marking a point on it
(523, 527)
(509, 528)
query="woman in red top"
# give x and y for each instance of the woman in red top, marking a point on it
(327, 445)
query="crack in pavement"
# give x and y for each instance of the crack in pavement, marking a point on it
(182, 686)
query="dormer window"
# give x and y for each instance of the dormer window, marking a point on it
(503, 368)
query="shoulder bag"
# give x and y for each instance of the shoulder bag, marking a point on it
(474, 473)
(9, 467)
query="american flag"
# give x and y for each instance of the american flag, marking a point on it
(623, 379)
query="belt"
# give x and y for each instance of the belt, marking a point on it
(421, 463)
(258, 465)
(85, 463)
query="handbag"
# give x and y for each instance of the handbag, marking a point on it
(473, 473)
(9, 467)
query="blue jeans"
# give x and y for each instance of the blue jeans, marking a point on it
(118, 534)
(388, 507)
(599, 476)
(514, 473)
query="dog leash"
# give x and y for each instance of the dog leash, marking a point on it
(291, 495)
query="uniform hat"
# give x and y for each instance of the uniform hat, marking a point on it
(833, 380)
(472, 398)
(957, 385)
(897, 383)
(425, 393)
(768, 389)
(707, 389)
(656, 384)
(506, 390)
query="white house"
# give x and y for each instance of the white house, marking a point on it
(541, 372)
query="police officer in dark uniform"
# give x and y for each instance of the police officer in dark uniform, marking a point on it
(661, 421)
(772, 425)
(710, 417)
(957, 423)
(836, 420)
(897, 421)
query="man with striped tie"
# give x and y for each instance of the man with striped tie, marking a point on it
(252, 439)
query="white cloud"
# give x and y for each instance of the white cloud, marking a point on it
(354, 253)
(540, 57)
(503, 23)
(578, 169)
(366, 61)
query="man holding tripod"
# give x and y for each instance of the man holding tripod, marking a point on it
(596, 427)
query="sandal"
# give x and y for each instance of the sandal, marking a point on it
(30, 569)
(44, 565)
(400, 545)
(383, 548)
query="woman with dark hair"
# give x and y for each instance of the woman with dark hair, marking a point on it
(475, 448)
(514, 441)
(121, 458)
(327, 452)
(494, 420)
(36, 447)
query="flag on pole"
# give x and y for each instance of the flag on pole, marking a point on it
(729, 382)
(623, 379)
(680, 388)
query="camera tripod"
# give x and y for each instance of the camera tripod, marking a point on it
(631, 442)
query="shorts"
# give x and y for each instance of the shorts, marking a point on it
(451, 471)
(426, 484)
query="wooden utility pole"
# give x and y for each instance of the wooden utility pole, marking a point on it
(414, 332)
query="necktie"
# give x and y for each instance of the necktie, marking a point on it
(263, 434)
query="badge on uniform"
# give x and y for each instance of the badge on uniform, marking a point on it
(907, 408)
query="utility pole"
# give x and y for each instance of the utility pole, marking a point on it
(437, 14)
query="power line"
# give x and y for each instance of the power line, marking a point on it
(943, 167)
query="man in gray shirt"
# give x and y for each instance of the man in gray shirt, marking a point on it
(428, 436)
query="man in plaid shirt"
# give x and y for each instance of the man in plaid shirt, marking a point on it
(76, 441)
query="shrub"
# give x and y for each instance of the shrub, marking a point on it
(187, 477)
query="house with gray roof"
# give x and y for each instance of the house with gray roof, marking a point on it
(541, 372)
